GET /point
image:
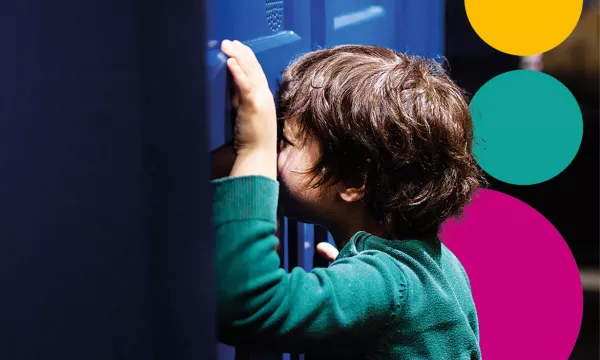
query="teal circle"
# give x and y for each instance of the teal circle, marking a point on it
(527, 127)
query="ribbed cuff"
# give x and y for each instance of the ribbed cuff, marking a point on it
(244, 198)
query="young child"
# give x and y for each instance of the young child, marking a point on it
(375, 146)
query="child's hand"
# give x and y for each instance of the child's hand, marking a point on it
(328, 251)
(256, 122)
(255, 132)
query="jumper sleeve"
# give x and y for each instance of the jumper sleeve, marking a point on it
(262, 305)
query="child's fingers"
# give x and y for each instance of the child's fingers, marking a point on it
(235, 99)
(234, 95)
(248, 55)
(247, 59)
(244, 56)
(327, 251)
(229, 48)
(239, 76)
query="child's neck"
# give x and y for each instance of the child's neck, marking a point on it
(342, 233)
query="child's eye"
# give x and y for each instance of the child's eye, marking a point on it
(283, 142)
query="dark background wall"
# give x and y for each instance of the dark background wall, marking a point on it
(104, 248)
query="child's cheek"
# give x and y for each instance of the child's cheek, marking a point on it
(281, 160)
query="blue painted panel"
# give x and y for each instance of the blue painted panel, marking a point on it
(306, 245)
(277, 31)
(421, 27)
(408, 26)
(330, 239)
(360, 22)
(286, 261)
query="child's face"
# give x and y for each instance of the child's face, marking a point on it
(299, 200)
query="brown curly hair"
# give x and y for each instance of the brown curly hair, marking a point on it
(396, 123)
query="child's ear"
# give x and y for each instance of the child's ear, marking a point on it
(354, 190)
(352, 194)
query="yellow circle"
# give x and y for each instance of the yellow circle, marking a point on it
(523, 27)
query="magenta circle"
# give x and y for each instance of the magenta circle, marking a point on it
(525, 281)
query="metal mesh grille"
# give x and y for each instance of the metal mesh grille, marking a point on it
(275, 14)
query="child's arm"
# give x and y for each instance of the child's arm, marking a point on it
(348, 304)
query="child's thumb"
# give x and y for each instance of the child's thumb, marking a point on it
(328, 251)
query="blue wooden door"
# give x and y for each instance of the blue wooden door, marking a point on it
(279, 31)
